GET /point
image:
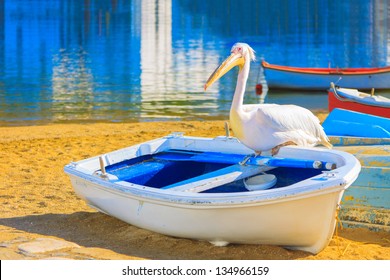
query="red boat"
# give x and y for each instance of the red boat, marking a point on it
(354, 100)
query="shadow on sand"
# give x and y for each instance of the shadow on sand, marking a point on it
(90, 229)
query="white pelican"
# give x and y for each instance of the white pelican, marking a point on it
(264, 127)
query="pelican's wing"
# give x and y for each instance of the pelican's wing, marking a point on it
(289, 118)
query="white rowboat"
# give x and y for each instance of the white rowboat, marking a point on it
(193, 187)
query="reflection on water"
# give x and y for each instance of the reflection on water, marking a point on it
(72, 82)
(144, 60)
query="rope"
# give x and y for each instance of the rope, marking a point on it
(338, 223)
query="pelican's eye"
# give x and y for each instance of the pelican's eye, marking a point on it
(239, 49)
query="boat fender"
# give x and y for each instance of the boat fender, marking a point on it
(259, 89)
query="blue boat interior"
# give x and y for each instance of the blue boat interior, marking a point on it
(168, 168)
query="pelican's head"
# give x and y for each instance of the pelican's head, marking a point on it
(240, 53)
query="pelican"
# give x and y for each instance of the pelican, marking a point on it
(265, 127)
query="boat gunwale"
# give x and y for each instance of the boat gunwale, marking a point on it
(341, 98)
(211, 200)
(327, 71)
(337, 140)
(143, 193)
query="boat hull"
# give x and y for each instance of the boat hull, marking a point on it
(365, 203)
(281, 77)
(299, 216)
(348, 104)
(341, 122)
(255, 223)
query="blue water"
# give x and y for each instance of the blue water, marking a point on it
(123, 60)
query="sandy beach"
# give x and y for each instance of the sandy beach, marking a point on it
(38, 203)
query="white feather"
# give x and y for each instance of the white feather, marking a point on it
(262, 127)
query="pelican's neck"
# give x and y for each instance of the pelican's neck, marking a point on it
(238, 98)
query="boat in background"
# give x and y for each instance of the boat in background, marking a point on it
(341, 122)
(366, 202)
(302, 78)
(209, 189)
(355, 100)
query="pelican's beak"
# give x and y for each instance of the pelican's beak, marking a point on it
(235, 59)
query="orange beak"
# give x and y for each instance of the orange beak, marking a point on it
(235, 59)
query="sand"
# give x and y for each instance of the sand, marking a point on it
(39, 206)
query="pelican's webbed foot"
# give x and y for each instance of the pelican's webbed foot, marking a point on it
(245, 160)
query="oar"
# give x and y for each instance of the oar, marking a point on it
(224, 158)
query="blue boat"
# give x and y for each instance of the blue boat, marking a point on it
(341, 122)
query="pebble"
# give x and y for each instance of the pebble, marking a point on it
(43, 245)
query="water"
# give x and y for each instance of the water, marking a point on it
(122, 60)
